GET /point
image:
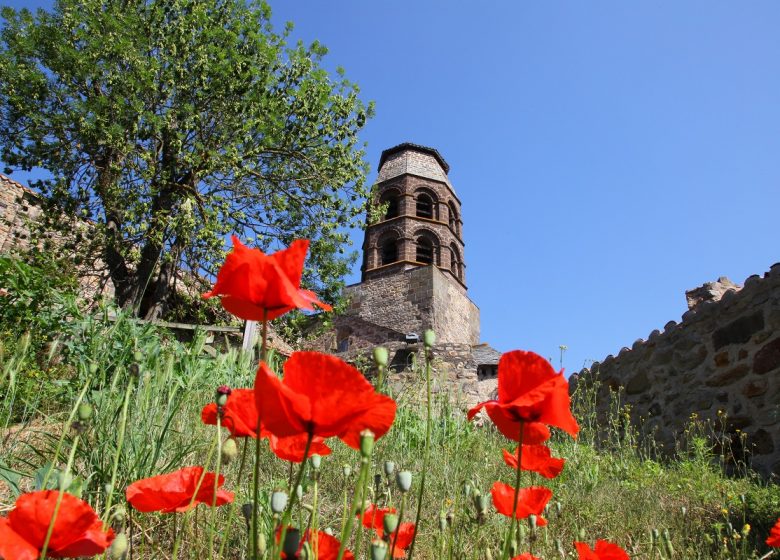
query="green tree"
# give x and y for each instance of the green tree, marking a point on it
(172, 123)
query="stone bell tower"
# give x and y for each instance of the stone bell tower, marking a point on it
(422, 224)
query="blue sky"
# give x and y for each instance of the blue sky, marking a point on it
(609, 155)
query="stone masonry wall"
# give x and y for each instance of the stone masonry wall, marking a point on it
(19, 207)
(721, 361)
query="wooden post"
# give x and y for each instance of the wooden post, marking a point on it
(250, 328)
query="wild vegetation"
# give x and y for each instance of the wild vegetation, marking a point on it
(146, 392)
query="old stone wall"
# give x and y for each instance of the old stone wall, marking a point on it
(19, 208)
(722, 361)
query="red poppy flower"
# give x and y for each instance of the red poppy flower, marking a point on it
(774, 535)
(525, 556)
(603, 551)
(255, 286)
(530, 501)
(536, 458)
(323, 396)
(174, 491)
(327, 545)
(374, 518)
(77, 532)
(239, 415)
(291, 448)
(529, 390)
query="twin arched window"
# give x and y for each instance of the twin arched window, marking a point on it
(391, 199)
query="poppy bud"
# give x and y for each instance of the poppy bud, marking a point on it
(429, 338)
(366, 443)
(654, 535)
(513, 547)
(390, 523)
(558, 508)
(291, 541)
(346, 470)
(278, 501)
(559, 548)
(389, 468)
(118, 547)
(684, 511)
(380, 356)
(93, 367)
(481, 503)
(108, 488)
(119, 514)
(299, 491)
(134, 369)
(581, 534)
(64, 480)
(84, 412)
(404, 480)
(532, 521)
(229, 451)
(138, 356)
(378, 550)
(466, 489)
(261, 545)
(247, 510)
(316, 461)
(488, 554)
(328, 531)
(442, 522)
(223, 392)
(667, 542)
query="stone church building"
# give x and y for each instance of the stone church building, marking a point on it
(413, 277)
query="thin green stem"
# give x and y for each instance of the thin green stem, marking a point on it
(231, 513)
(119, 444)
(427, 454)
(256, 471)
(400, 520)
(216, 486)
(357, 499)
(50, 530)
(505, 552)
(67, 425)
(293, 491)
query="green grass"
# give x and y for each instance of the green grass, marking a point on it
(611, 487)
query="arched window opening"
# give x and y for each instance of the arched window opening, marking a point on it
(391, 200)
(342, 339)
(388, 251)
(424, 250)
(454, 261)
(453, 218)
(424, 206)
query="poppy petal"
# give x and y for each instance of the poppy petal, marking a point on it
(13, 545)
(530, 501)
(283, 412)
(536, 458)
(774, 535)
(174, 491)
(604, 550)
(378, 418)
(533, 432)
(291, 448)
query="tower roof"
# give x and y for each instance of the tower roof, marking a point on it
(415, 147)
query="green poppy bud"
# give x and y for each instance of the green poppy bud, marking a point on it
(389, 468)
(84, 412)
(119, 514)
(559, 548)
(558, 508)
(64, 480)
(429, 338)
(346, 470)
(223, 392)
(654, 536)
(466, 489)
(138, 356)
(488, 554)
(532, 521)
(442, 522)
(316, 461)
(108, 488)
(390, 523)
(229, 451)
(278, 501)
(513, 548)
(481, 503)
(118, 547)
(380, 356)
(261, 545)
(93, 367)
(328, 531)
(366, 443)
(299, 492)
(581, 534)
(404, 480)
(291, 541)
(684, 511)
(378, 550)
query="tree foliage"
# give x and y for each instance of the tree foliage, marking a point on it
(172, 123)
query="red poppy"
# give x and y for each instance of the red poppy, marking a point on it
(774, 535)
(323, 396)
(174, 491)
(374, 518)
(77, 532)
(529, 390)
(530, 501)
(291, 448)
(603, 551)
(239, 415)
(536, 458)
(327, 545)
(255, 286)
(525, 556)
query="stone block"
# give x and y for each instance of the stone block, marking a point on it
(768, 357)
(738, 331)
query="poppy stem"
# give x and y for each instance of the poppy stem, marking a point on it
(119, 443)
(216, 487)
(256, 472)
(427, 455)
(59, 497)
(232, 512)
(357, 505)
(67, 425)
(293, 490)
(400, 520)
(505, 552)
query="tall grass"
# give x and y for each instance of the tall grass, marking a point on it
(612, 486)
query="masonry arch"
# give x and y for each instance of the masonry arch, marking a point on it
(388, 247)
(456, 265)
(454, 218)
(427, 247)
(426, 204)
(392, 198)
